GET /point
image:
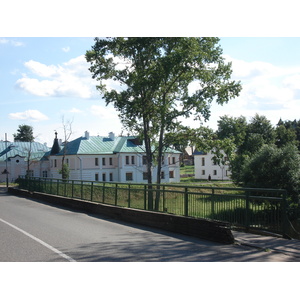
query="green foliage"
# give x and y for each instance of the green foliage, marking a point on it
(65, 171)
(24, 134)
(273, 167)
(232, 128)
(154, 77)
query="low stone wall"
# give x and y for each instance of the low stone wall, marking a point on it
(201, 228)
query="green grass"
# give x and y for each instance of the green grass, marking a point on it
(187, 174)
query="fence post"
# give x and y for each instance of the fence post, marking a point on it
(247, 213)
(164, 199)
(213, 203)
(128, 195)
(81, 190)
(116, 195)
(92, 190)
(186, 202)
(72, 188)
(284, 214)
(57, 187)
(103, 191)
(145, 197)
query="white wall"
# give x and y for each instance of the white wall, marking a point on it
(209, 168)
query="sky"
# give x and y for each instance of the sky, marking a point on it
(45, 83)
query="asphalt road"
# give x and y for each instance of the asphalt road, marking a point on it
(33, 231)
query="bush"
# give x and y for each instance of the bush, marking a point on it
(273, 167)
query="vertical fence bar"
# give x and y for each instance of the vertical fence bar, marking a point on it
(116, 194)
(129, 195)
(103, 192)
(164, 199)
(247, 212)
(186, 202)
(57, 187)
(145, 197)
(92, 190)
(72, 188)
(284, 214)
(81, 190)
(213, 203)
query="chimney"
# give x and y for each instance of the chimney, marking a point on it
(111, 135)
(87, 135)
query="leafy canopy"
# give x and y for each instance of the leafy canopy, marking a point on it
(24, 134)
(155, 76)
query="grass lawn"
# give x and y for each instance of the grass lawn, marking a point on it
(187, 177)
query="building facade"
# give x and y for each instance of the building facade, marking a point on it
(21, 158)
(111, 159)
(207, 169)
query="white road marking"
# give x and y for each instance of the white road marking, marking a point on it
(40, 241)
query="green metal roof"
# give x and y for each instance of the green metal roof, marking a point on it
(22, 149)
(104, 145)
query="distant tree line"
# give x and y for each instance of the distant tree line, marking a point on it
(259, 154)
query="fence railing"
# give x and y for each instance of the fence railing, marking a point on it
(263, 209)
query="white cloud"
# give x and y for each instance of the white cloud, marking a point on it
(75, 110)
(66, 49)
(30, 115)
(72, 79)
(103, 112)
(11, 42)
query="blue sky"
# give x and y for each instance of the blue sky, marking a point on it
(46, 79)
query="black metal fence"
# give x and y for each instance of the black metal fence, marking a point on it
(262, 209)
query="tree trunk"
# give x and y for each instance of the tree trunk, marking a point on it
(149, 158)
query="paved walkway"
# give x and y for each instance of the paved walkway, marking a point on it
(269, 243)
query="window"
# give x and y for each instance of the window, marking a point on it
(67, 161)
(103, 177)
(111, 177)
(127, 160)
(173, 160)
(55, 163)
(96, 161)
(203, 161)
(203, 172)
(96, 177)
(132, 160)
(145, 177)
(45, 174)
(215, 172)
(171, 174)
(103, 161)
(110, 161)
(129, 176)
(162, 175)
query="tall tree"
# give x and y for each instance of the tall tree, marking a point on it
(232, 128)
(155, 77)
(24, 134)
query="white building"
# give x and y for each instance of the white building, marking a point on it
(118, 159)
(21, 158)
(206, 168)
